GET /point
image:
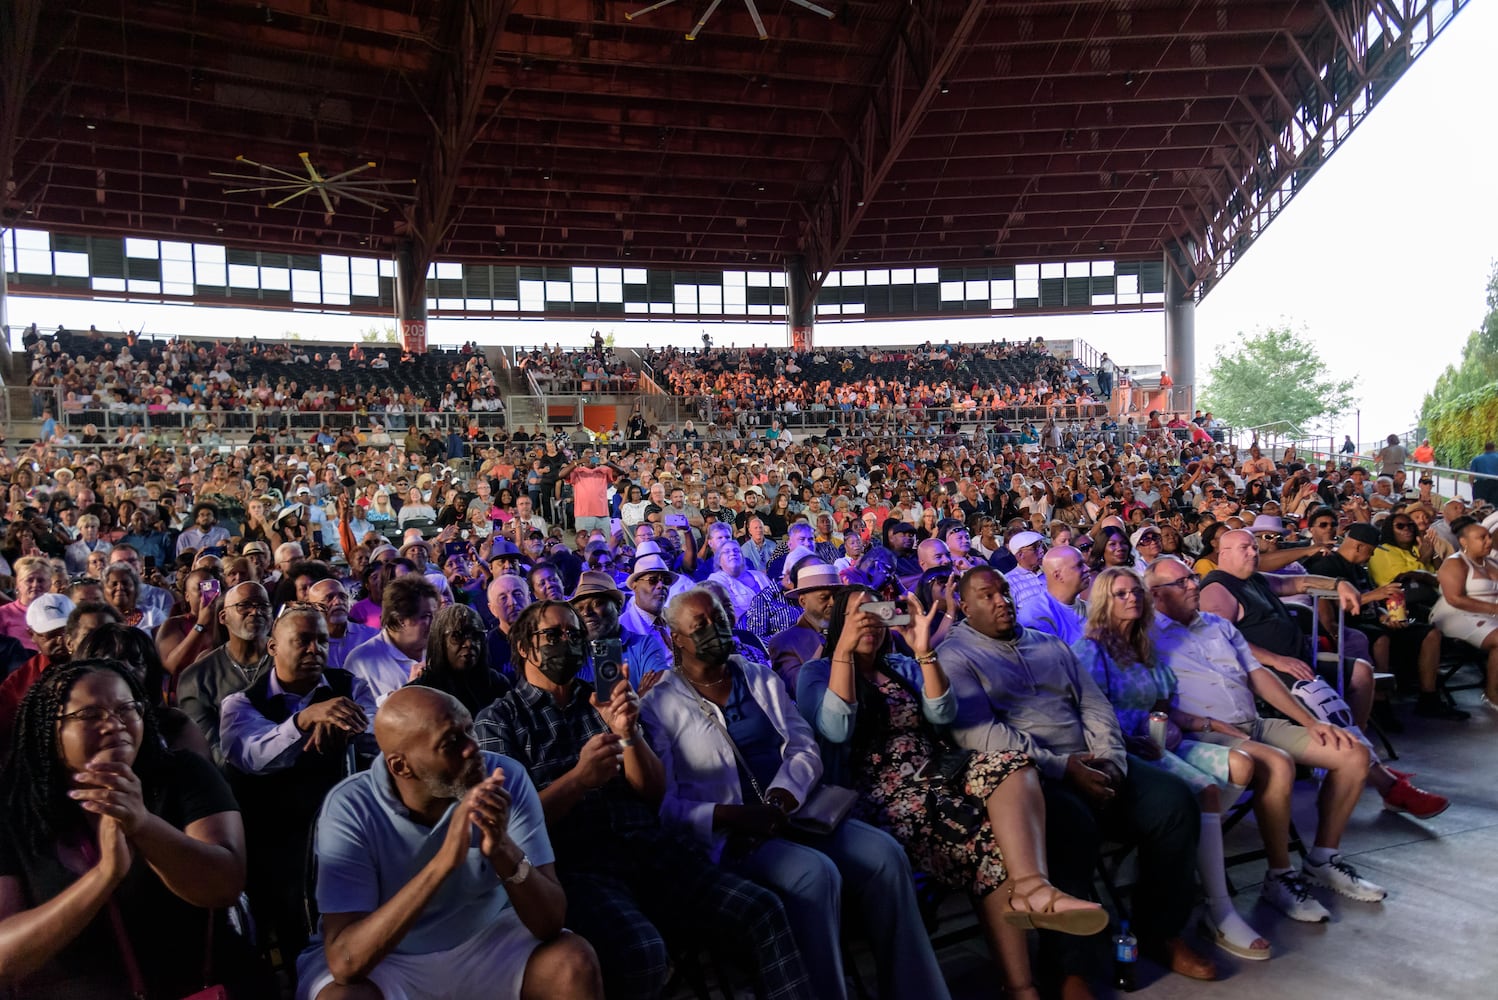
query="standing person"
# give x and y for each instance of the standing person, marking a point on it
(435, 877)
(1487, 464)
(1105, 372)
(1391, 457)
(234, 666)
(716, 713)
(590, 479)
(596, 772)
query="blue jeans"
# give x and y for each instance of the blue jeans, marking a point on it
(812, 874)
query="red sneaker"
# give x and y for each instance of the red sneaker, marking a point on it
(1405, 797)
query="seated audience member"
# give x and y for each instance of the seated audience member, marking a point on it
(1119, 654)
(234, 666)
(597, 602)
(435, 874)
(47, 622)
(546, 582)
(376, 576)
(455, 660)
(285, 739)
(149, 596)
(738, 578)
(1027, 579)
(1395, 644)
(393, 656)
(332, 598)
(1405, 549)
(650, 581)
(114, 845)
(113, 640)
(978, 824)
(1059, 610)
(508, 596)
(1250, 600)
(1023, 692)
(1217, 681)
(183, 638)
(813, 583)
(596, 773)
(122, 592)
(715, 710)
(1468, 608)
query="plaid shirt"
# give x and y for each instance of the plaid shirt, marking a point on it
(770, 612)
(528, 725)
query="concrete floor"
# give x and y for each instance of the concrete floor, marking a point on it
(1432, 938)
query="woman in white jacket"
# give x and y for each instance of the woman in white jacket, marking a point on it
(740, 762)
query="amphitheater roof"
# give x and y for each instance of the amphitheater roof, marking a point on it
(895, 133)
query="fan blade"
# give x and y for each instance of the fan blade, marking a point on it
(696, 28)
(327, 202)
(350, 172)
(647, 10)
(311, 170)
(289, 197)
(265, 188)
(814, 8)
(759, 24)
(266, 166)
(362, 201)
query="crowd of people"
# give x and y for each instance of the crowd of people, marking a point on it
(130, 378)
(550, 723)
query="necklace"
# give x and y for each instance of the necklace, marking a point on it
(707, 687)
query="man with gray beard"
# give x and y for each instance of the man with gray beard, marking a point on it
(232, 667)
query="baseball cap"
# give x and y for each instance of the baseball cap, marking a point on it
(1361, 531)
(1024, 540)
(48, 613)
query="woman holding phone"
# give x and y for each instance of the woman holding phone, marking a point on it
(183, 638)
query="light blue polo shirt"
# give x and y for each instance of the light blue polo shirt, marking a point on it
(369, 848)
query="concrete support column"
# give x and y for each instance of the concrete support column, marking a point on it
(411, 298)
(1180, 333)
(800, 303)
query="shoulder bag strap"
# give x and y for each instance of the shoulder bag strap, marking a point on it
(707, 710)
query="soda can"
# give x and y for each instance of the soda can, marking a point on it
(1157, 728)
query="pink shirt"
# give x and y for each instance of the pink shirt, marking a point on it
(590, 491)
(13, 624)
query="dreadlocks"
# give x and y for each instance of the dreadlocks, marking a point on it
(34, 783)
(523, 632)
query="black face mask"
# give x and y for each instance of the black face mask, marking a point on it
(714, 644)
(561, 661)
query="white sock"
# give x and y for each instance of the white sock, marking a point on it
(1321, 855)
(1209, 866)
(1230, 796)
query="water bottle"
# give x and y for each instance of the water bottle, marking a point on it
(1125, 959)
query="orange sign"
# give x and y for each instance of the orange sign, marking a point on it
(414, 336)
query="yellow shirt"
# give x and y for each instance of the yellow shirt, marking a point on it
(1203, 566)
(1389, 561)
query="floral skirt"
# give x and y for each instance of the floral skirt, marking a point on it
(894, 801)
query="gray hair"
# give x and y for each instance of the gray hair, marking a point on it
(674, 608)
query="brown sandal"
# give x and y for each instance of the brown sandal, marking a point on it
(1081, 922)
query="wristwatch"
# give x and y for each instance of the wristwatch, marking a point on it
(521, 873)
(1206, 724)
(197, 628)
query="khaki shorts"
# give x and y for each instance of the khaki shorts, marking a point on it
(1281, 734)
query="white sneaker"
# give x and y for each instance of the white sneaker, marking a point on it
(1342, 877)
(1291, 895)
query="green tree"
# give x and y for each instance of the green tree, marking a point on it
(375, 335)
(1478, 367)
(1275, 375)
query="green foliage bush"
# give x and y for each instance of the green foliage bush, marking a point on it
(1459, 427)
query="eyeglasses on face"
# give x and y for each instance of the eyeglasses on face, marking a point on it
(250, 607)
(558, 634)
(1184, 583)
(126, 713)
(1132, 594)
(1404, 525)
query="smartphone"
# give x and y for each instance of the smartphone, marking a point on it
(888, 612)
(608, 665)
(150, 562)
(676, 520)
(208, 591)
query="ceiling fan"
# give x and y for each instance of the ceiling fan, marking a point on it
(712, 8)
(345, 184)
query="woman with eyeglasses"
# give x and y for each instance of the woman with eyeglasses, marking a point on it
(1119, 653)
(115, 850)
(457, 660)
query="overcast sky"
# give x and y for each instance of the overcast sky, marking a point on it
(1383, 260)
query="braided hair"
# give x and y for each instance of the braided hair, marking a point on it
(34, 782)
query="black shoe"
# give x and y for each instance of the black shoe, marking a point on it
(1383, 714)
(1433, 706)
